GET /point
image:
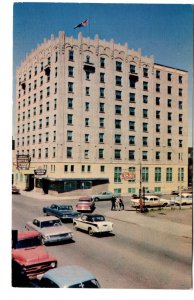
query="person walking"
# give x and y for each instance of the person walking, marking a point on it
(121, 204)
(117, 203)
(113, 200)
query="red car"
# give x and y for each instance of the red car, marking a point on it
(85, 204)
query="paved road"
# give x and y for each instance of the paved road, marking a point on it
(143, 252)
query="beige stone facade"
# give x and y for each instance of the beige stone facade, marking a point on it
(89, 110)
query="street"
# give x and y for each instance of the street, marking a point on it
(133, 257)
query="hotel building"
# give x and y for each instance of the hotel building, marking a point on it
(96, 115)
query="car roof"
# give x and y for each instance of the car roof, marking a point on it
(66, 276)
(27, 234)
(46, 218)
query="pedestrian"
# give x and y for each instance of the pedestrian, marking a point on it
(117, 203)
(121, 204)
(113, 200)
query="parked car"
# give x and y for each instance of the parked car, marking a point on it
(70, 276)
(150, 201)
(103, 196)
(174, 193)
(15, 190)
(93, 224)
(63, 212)
(85, 204)
(51, 229)
(184, 199)
(30, 258)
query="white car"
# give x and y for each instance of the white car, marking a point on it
(93, 224)
(184, 199)
(150, 201)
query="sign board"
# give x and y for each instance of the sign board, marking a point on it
(126, 175)
(40, 172)
(23, 161)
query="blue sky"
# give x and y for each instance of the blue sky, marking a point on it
(159, 29)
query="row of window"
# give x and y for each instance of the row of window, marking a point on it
(101, 152)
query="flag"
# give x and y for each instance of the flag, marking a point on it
(82, 24)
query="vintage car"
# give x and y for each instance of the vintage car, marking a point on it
(103, 196)
(51, 229)
(184, 199)
(85, 204)
(70, 276)
(150, 201)
(30, 258)
(15, 190)
(63, 212)
(93, 224)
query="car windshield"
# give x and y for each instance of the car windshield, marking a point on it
(86, 284)
(98, 219)
(66, 207)
(28, 243)
(50, 223)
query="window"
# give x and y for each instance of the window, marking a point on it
(145, 127)
(180, 130)
(69, 152)
(144, 155)
(132, 68)
(39, 153)
(101, 122)
(157, 174)
(101, 153)
(34, 111)
(180, 174)
(131, 154)
(157, 74)
(145, 113)
(55, 104)
(169, 76)
(132, 174)
(117, 154)
(102, 76)
(35, 70)
(131, 140)
(169, 129)
(34, 125)
(169, 174)
(55, 91)
(117, 174)
(157, 101)
(48, 91)
(157, 127)
(65, 168)
(158, 114)
(180, 92)
(145, 85)
(118, 80)
(180, 117)
(145, 174)
(145, 99)
(70, 71)
(54, 136)
(169, 90)
(87, 123)
(145, 141)
(41, 80)
(118, 66)
(180, 143)
(46, 137)
(118, 124)
(69, 136)
(101, 137)
(41, 95)
(102, 92)
(71, 55)
(86, 138)
(131, 125)
(157, 87)
(169, 102)
(86, 153)
(180, 79)
(47, 121)
(169, 155)
(87, 73)
(70, 103)
(35, 84)
(56, 72)
(169, 142)
(69, 119)
(132, 111)
(47, 106)
(101, 107)
(157, 155)
(87, 106)
(157, 141)
(169, 116)
(40, 123)
(118, 109)
(40, 109)
(70, 87)
(131, 97)
(117, 139)
(145, 72)
(102, 62)
(180, 104)
(102, 169)
(46, 152)
(118, 95)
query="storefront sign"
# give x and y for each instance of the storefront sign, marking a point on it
(23, 161)
(40, 172)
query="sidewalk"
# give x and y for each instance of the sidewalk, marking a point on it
(128, 216)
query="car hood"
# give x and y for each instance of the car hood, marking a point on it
(30, 255)
(54, 230)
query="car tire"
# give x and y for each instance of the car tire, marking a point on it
(96, 199)
(90, 231)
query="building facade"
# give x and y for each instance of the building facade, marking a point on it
(97, 115)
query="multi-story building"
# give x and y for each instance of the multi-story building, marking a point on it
(98, 115)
